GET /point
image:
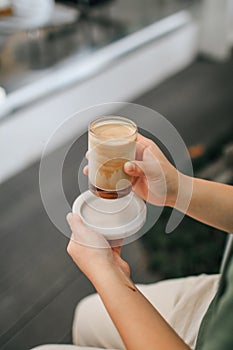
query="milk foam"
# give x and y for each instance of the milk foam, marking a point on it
(113, 131)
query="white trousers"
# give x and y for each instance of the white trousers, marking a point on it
(182, 302)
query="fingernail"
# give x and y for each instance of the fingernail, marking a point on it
(129, 166)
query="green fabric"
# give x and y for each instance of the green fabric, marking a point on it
(216, 331)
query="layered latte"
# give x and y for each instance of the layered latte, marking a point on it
(112, 142)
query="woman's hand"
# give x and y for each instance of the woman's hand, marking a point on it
(139, 324)
(91, 252)
(154, 178)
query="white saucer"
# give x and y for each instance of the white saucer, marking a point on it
(115, 218)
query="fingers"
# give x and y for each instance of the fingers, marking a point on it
(116, 245)
(74, 228)
(139, 151)
(87, 154)
(83, 235)
(144, 141)
(141, 144)
(85, 170)
(74, 221)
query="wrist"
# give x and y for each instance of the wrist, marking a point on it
(172, 187)
(110, 274)
(180, 191)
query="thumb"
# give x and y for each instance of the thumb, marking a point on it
(135, 168)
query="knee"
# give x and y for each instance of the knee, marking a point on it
(85, 317)
(93, 327)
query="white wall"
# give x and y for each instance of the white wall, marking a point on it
(23, 136)
(216, 28)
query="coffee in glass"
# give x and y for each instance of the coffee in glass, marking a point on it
(111, 143)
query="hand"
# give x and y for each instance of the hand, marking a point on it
(154, 178)
(91, 252)
(134, 316)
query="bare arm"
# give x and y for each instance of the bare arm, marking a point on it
(139, 324)
(211, 203)
(157, 181)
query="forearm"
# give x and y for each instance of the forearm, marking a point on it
(138, 322)
(211, 203)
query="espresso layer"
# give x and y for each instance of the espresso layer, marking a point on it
(109, 194)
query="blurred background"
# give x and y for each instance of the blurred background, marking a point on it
(58, 57)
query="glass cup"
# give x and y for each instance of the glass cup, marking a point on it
(111, 143)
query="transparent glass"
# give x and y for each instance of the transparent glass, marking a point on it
(111, 143)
